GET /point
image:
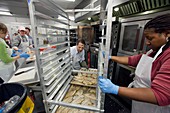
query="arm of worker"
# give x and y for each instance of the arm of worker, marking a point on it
(118, 59)
(82, 57)
(140, 94)
(127, 60)
(4, 54)
(6, 58)
(15, 51)
(83, 62)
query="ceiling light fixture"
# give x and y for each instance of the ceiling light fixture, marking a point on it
(72, 18)
(61, 18)
(116, 9)
(71, 0)
(5, 13)
(147, 12)
(89, 18)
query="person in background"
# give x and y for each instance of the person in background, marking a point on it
(151, 85)
(77, 54)
(27, 32)
(15, 34)
(7, 67)
(8, 40)
(21, 40)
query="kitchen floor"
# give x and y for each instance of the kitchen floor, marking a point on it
(38, 103)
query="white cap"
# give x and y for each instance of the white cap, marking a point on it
(21, 28)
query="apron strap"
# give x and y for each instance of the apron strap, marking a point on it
(1, 80)
(19, 42)
(167, 45)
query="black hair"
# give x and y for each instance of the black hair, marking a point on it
(3, 28)
(28, 28)
(81, 41)
(160, 24)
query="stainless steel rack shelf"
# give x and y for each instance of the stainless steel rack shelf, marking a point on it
(53, 60)
(53, 35)
(53, 44)
(51, 26)
(48, 17)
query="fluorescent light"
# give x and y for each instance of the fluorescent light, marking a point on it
(71, 0)
(72, 18)
(147, 12)
(61, 18)
(5, 13)
(116, 9)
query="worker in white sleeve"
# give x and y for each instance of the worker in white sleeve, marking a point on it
(7, 57)
(77, 55)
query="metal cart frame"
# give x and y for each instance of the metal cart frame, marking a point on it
(54, 65)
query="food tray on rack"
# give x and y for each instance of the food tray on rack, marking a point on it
(85, 79)
(78, 95)
(80, 84)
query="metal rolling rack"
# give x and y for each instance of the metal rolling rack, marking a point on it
(103, 62)
(54, 62)
(116, 105)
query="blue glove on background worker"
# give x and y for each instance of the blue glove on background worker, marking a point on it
(14, 52)
(107, 86)
(24, 55)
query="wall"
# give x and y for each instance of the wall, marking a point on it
(87, 33)
(14, 22)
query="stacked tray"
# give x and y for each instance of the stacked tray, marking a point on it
(78, 95)
(86, 78)
(82, 91)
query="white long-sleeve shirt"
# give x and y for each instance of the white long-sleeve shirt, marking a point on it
(76, 56)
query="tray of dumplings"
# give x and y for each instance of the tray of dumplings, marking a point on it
(86, 78)
(78, 95)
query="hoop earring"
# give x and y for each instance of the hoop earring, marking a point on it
(167, 39)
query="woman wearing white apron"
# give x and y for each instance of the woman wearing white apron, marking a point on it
(151, 85)
(7, 67)
(22, 42)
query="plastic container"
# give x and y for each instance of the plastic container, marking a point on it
(8, 90)
(27, 107)
(10, 103)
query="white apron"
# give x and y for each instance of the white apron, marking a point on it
(24, 46)
(6, 70)
(143, 79)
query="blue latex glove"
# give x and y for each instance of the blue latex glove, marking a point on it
(107, 86)
(14, 52)
(109, 57)
(103, 53)
(1, 109)
(13, 55)
(19, 50)
(24, 55)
